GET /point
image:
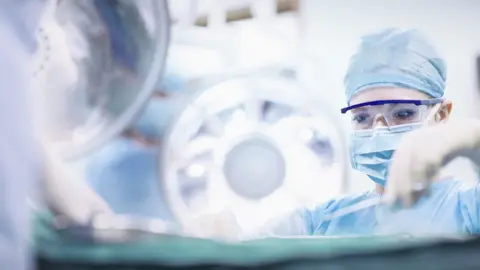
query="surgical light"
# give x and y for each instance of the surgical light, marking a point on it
(96, 66)
(258, 145)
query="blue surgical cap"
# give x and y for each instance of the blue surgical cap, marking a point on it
(397, 58)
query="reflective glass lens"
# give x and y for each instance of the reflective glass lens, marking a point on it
(366, 117)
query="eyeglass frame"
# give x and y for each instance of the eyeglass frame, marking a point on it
(417, 102)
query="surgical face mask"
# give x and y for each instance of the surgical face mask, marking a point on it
(157, 116)
(371, 150)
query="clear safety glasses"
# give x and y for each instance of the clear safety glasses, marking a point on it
(392, 112)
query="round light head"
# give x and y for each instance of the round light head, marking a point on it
(97, 64)
(254, 168)
(259, 146)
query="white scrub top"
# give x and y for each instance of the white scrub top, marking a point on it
(18, 20)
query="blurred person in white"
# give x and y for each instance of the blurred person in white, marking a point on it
(18, 161)
(24, 152)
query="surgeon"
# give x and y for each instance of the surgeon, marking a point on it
(125, 171)
(394, 85)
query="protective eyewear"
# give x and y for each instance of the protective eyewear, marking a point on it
(394, 112)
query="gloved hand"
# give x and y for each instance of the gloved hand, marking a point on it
(422, 153)
(68, 194)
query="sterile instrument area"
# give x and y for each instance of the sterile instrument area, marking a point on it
(255, 134)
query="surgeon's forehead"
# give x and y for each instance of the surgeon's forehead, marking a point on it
(385, 93)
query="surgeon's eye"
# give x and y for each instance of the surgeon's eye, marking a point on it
(405, 114)
(359, 118)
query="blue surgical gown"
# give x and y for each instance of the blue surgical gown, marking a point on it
(452, 207)
(125, 174)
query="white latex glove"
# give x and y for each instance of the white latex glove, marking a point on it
(422, 153)
(68, 194)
